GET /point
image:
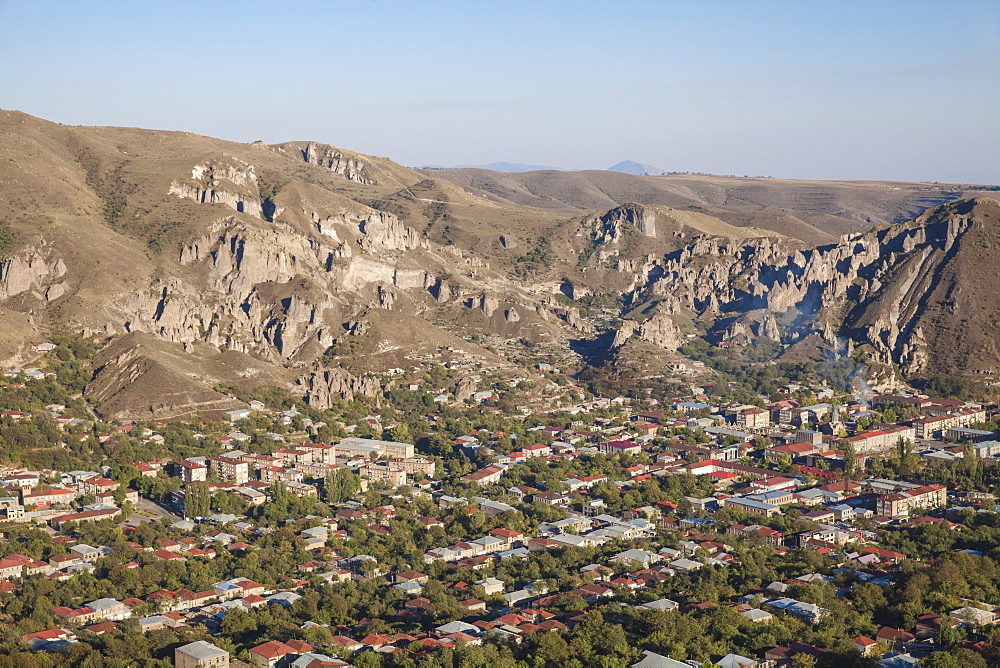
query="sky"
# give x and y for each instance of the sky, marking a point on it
(894, 90)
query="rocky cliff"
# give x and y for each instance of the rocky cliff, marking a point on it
(886, 290)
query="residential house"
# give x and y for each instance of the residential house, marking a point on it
(200, 654)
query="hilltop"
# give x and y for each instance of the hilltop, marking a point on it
(637, 168)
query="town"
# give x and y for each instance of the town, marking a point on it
(812, 527)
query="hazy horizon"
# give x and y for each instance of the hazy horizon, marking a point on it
(849, 91)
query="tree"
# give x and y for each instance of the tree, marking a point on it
(197, 501)
(341, 485)
(850, 458)
(961, 657)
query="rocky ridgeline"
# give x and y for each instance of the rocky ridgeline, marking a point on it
(867, 288)
(267, 288)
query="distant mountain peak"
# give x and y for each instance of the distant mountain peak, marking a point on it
(632, 167)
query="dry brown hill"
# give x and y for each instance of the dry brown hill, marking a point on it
(206, 260)
(814, 211)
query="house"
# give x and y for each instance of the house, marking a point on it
(270, 653)
(17, 565)
(661, 604)
(411, 576)
(654, 660)
(864, 644)
(642, 557)
(485, 476)
(473, 605)
(491, 586)
(521, 492)
(757, 616)
(551, 498)
(109, 608)
(736, 661)
(200, 654)
(43, 639)
(974, 616)
(894, 638)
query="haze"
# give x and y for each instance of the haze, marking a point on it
(845, 90)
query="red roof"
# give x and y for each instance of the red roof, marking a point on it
(272, 649)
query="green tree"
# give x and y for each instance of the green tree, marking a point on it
(341, 485)
(850, 458)
(197, 500)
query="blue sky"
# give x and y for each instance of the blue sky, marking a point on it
(830, 90)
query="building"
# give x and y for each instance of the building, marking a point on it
(192, 471)
(294, 456)
(270, 653)
(620, 448)
(901, 503)
(929, 426)
(876, 440)
(754, 507)
(379, 471)
(390, 449)
(966, 435)
(485, 476)
(97, 485)
(16, 565)
(986, 449)
(755, 418)
(793, 450)
(322, 453)
(48, 497)
(766, 534)
(57, 523)
(199, 655)
(109, 608)
(414, 465)
(229, 468)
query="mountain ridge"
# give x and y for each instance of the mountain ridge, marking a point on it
(315, 266)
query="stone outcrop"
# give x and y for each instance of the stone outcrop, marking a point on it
(31, 271)
(324, 388)
(384, 231)
(466, 387)
(614, 222)
(349, 166)
(225, 181)
(659, 330)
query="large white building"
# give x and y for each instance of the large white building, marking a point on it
(355, 445)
